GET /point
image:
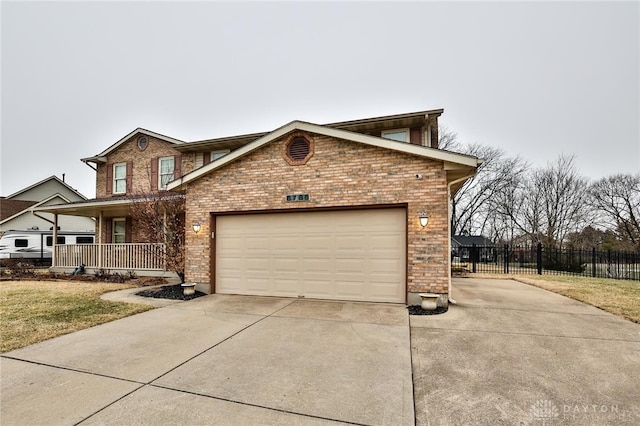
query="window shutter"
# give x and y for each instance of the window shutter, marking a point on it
(415, 135)
(177, 166)
(129, 176)
(154, 174)
(108, 230)
(206, 158)
(109, 167)
(128, 231)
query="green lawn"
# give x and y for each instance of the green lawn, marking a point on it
(33, 311)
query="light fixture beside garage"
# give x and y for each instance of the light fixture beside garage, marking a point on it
(424, 219)
(196, 227)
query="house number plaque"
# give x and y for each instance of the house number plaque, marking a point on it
(297, 197)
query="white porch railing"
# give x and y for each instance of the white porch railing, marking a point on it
(129, 256)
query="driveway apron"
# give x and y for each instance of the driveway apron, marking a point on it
(220, 360)
(511, 353)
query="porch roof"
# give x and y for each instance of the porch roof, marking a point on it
(110, 207)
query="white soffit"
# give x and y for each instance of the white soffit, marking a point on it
(452, 160)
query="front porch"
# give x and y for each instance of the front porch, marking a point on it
(130, 254)
(145, 259)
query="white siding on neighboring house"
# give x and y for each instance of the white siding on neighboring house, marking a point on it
(50, 191)
(46, 189)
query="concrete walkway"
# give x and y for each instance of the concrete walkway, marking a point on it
(507, 353)
(513, 354)
(220, 360)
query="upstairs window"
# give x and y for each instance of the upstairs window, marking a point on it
(166, 168)
(204, 158)
(218, 154)
(400, 135)
(120, 178)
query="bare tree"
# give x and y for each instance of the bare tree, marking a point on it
(617, 199)
(549, 204)
(473, 206)
(159, 218)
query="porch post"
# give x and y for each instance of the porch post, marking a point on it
(54, 243)
(100, 218)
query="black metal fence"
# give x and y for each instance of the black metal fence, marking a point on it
(509, 259)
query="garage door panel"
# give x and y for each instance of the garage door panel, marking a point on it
(385, 266)
(285, 288)
(321, 265)
(285, 265)
(347, 255)
(284, 242)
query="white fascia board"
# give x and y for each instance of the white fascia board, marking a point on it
(419, 150)
(84, 204)
(195, 174)
(34, 207)
(56, 195)
(127, 137)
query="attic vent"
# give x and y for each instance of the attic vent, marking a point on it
(298, 149)
(142, 143)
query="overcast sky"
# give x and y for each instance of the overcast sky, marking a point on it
(534, 79)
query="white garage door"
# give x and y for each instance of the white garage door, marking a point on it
(342, 255)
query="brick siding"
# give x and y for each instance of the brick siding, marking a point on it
(340, 173)
(129, 151)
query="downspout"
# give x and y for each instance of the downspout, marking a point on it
(462, 179)
(42, 217)
(87, 163)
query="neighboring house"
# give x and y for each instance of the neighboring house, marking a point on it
(335, 211)
(461, 247)
(17, 210)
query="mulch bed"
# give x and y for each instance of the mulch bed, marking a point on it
(174, 292)
(417, 310)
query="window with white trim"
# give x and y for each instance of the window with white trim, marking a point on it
(401, 135)
(218, 154)
(119, 231)
(120, 178)
(165, 171)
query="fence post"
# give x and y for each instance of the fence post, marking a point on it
(474, 261)
(593, 262)
(505, 258)
(539, 258)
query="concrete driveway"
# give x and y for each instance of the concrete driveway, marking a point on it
(507, 353)
(510, 353)
(220, 360)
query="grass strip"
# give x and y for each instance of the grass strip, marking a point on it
(33, 311)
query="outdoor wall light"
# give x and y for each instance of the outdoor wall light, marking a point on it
(424, 219)
(196, 227)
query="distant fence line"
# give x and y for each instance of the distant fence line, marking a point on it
(508, 259)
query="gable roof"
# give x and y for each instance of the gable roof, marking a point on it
(9, 207)
(31, 207)
(362, 125)
(101, 158)
(55, 178)
(466, 164)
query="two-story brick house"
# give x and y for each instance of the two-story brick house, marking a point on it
(355, 210)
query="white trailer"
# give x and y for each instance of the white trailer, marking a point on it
(37, 245)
